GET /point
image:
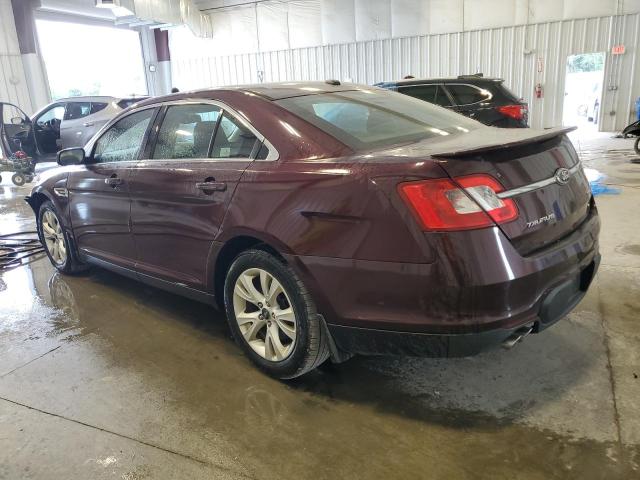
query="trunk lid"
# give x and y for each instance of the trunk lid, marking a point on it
(516, 158)
(549, 208)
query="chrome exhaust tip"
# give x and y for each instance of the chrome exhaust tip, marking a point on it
(516, 337)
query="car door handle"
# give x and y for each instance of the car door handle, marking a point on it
(211, 186)
(88, 124)
(113, 181)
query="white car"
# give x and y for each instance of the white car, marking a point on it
(65, 123)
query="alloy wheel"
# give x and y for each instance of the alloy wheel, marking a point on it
(264, 314)
(54, 237)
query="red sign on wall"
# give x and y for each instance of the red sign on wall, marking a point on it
(617, 49)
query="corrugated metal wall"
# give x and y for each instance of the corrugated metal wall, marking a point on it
(523, 55)
(13, 84)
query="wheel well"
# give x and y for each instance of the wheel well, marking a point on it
(36, 200)
(227, 255)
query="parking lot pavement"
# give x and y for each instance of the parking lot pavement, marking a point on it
(103, 377)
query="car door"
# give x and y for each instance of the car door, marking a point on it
(470, 100)
(99, 202)
(180, 193)
(74, 125)
(46, 126)
(16, 131)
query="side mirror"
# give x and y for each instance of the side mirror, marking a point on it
(71, 156)
(17, 121)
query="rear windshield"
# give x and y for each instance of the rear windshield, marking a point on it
(501, 92)
(364, 118)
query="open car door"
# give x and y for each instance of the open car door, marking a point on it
(16, 131)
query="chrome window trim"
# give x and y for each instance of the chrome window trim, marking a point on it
(537, 185)
(271, 157)
(456, 104)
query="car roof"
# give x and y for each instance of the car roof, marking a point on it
(269, 91)
(99, 98)
(460, 79)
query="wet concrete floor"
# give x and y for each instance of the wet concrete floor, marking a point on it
(103, 377)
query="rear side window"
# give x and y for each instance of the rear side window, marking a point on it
(123, 141)
(468, 94)
(367, 118)
(97, 106)
(233, 139)
(429, 93)
(186, 132)
(76, 110)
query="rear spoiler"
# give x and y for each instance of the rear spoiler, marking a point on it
(512, 137)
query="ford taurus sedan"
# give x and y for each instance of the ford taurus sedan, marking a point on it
(330, 220)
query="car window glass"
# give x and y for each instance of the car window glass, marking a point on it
(233, 139)
(423, 92)
(467, 94)
(77, 110)
(97, 106)
(186, 131)
(56, 113)
(123, 140)
(10, 112)
(369, 118)
(428, 93)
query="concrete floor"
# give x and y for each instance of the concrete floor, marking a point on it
(102, 377)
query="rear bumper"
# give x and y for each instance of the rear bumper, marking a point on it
(556, 304)
(477, 292)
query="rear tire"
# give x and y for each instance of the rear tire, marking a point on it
(18, 179)
(272, 316)
(636, 145)
(56, 241)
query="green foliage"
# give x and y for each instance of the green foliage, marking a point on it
(586, 62)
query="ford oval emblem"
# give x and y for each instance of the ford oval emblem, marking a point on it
(562, 176)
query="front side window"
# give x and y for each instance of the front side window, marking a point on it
(55, 113)
(233, 139)
(186, 131)
(123, 141)
(468, 94)
(76, 110)
(365, 118)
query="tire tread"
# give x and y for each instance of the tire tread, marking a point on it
(317, 350)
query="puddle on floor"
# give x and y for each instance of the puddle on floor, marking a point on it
(596, 181)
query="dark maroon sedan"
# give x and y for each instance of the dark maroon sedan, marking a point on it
(330, 220)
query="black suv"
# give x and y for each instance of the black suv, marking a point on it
(481, 98)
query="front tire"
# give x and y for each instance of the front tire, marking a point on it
(636, 145)
(55, 241)
(272, 316)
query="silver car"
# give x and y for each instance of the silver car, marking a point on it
(65, 123)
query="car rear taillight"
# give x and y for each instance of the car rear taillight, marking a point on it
(463, 203)
(517, 112)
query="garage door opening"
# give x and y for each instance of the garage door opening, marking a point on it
(89, 60)
(583, 91)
